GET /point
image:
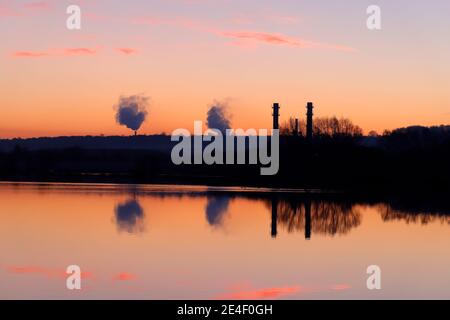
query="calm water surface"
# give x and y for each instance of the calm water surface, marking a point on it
(167, 242)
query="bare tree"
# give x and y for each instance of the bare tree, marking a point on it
(334, 127)
(288, 127)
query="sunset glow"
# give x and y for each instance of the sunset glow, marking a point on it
(186, 54)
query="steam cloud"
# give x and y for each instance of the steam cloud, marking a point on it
(132, 111)
(218, 117)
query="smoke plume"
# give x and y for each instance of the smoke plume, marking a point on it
(130, 216)
(218, 117)
(216, 208)
(132, 111)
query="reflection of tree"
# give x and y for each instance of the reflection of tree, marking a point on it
(334, 218)
(390, 214)
(130, 216)
(318, 216)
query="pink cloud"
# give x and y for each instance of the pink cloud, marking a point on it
(38, 5)
(8, 12)
(272, 17)
(79, 51)
(96, 17)
(283, 19)
(181, 22)
(244, 37)
(29, 54)
(270, 38)
(56, 52)
(127, 51)
(29, 8)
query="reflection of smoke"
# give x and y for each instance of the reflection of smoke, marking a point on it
(218, 118)
(216, 208)
(130, 217)
(132, 111)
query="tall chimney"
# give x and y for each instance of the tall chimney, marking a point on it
(309, 121)
(274, 229)
(276, 116)
(296, 128)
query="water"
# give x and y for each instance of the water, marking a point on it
(166, 242)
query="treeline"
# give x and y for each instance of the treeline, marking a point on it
(330, 127)
(338, 157)
(335, 129)
(341, 157)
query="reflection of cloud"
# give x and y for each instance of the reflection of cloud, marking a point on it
(124, 276)
(341, 287)
(244, 291)
(256, 294)
(216, 208)
(130, 216)
(47, 272)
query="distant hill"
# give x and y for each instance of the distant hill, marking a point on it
(154, 143)
(417, 137)
(406, 158)
(404, 138)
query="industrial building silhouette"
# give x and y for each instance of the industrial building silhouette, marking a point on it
(309, 120)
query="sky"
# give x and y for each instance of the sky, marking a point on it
(186, 54)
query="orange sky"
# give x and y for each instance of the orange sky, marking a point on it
(186, 54)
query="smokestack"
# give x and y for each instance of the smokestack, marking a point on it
(276, 116)
(309, 121)
(296, 127)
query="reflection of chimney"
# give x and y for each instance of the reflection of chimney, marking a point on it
(276, 116)
(309, 121)
(274, 230)
(308, 220)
